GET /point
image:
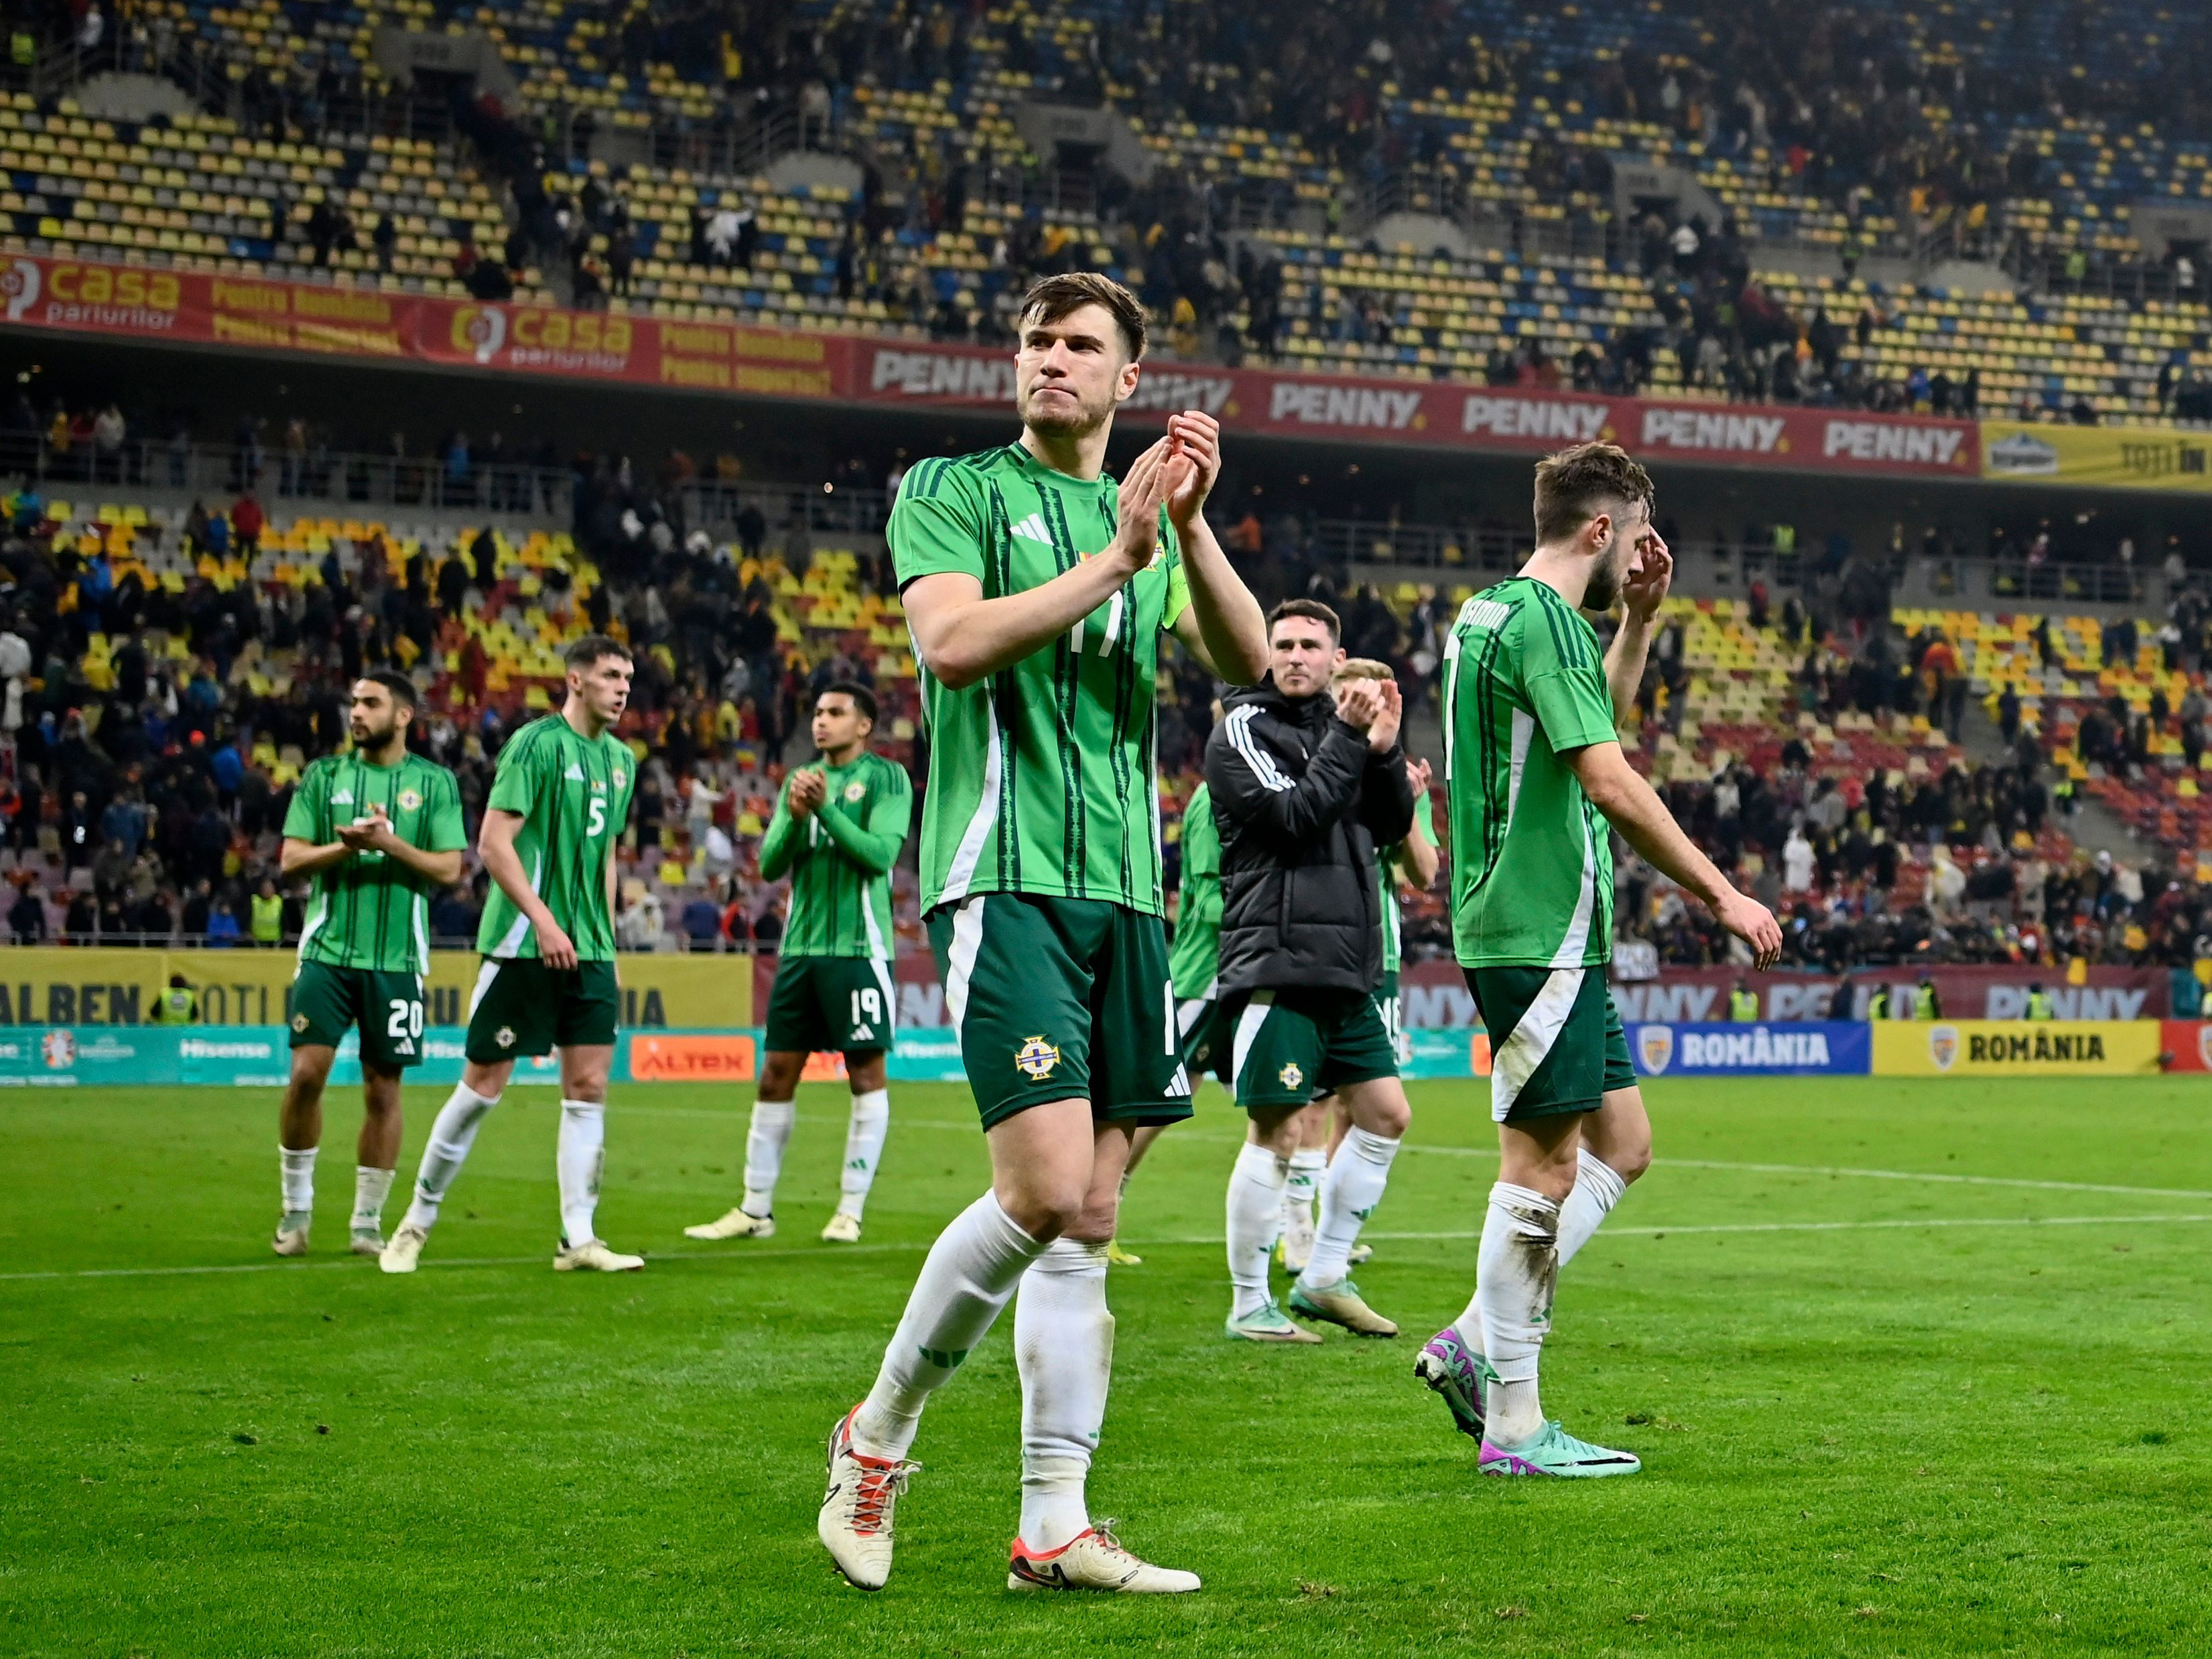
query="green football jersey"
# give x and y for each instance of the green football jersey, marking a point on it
(1386, 867)
(1532, 860)
(573, 794)
(840, 859)
(371, 911)
(1041, 778)
(1194, 963)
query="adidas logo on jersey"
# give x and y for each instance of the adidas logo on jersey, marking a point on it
(344, 798)
(574, 774)
(1032, 529)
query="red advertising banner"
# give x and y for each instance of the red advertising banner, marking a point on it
(2186, 1044)
(1439, 414)
(1436, 996)
(201, 308)
(1687, 995)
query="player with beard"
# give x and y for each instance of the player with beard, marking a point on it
(1038, 591)
(378, 829)
(1534, 773)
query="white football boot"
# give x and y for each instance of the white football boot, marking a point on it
(858, 1511)
(1093, 1560)
(403, 1249)
(594, 1255)
(736, 1224)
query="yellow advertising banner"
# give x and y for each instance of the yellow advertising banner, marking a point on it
(53, 985)
(2120, 456)
(2015, 1047)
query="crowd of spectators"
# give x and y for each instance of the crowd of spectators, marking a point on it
(143, 795)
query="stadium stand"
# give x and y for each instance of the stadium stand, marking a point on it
(1245, 239)
(182, 623)
(194, 657)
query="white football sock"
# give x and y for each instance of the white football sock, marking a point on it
(1598, 1187)
(583, 1148)
(1255, 1210)
(299, 1178)
(370, 1187)
(863, 1148)
(1516, 1268)
(764, 1144)
(1349, 1194)
(1064, 1349)
(447, 1149)
(970, 1272)
(1307, 1165)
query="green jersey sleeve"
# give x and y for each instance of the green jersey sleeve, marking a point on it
(1564, 680)
(1424, 815)
(304, 818)
(516, 780)
(1178, 580)
(447, 834)
(1201, 840)
(938, 524)
(779, 844)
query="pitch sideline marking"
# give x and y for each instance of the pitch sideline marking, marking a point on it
(1194, 1241)
(1832, 1170)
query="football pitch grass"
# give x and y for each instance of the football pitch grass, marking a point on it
(1914, 1368)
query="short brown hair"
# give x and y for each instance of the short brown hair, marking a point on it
(589, 651)
(1579, 482)
(1362, 668)
(1314, 610)
(1051, 297)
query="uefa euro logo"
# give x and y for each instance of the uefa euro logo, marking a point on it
(1655, 1045)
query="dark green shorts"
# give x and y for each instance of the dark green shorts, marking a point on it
(1058, 999)
(1290, 1046)
(1556, 1043)
(830, 1005)
(520, 1006)
(1205, 1037)
(1392, 1009)
(386, 1009)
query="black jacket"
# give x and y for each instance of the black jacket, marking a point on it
(1302, 803)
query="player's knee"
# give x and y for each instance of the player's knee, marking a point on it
(1094, 1221)
(590, 1090)
(1043, 1214)
(1631, 1160)
(1390, 1118)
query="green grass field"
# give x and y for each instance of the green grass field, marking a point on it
(1915, 1368)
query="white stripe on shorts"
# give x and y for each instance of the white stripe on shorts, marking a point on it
(1518, 1058)
(960, 956)
(1247, 1028)
(485, 975)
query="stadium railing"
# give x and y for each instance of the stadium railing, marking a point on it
(344, 477)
